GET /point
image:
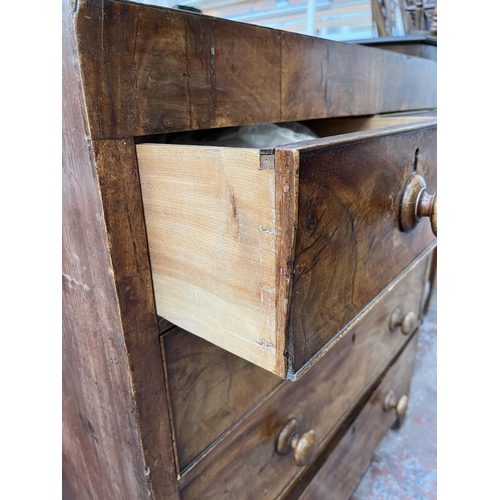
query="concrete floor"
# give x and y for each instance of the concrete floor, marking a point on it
(404, 467)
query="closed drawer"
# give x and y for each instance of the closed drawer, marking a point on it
(269, 254)
(245, 462)
(210, 389)
(339, 475)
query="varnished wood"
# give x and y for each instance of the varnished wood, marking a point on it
(338, 477)
(287, 206)
(302, 445)
(313, 85)
(392, 402)
(245, 463)
(348, 225)
(149, 70)
(311, 225)
(210, 390)
(431, 212)
(407, 321)
(131, 70)
(116, 440)
(120, 191)
(337, 126)
(95, 463)
(416, 203)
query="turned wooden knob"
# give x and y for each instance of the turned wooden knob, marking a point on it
(303, 446)
(400, 405)
(417, 203)
(406, 321)
(434, 215)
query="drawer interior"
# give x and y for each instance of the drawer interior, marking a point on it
(227, 232)
(321, 128)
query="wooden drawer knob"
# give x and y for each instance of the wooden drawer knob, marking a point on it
(303, 446)
(400, 405)
(417, 203)
(406, 321)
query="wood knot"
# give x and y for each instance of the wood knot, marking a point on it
(311, 222)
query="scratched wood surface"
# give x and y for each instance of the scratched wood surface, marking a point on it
(150, 70)
(210, 390)
(348, 245)
(338, 477)
(244, 464)
(116, 439)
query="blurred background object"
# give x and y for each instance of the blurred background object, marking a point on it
(342, 20)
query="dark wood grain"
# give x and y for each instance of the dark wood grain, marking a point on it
(349, 245)
(150, 70)
(104, 424)
(287, 195)
(117, 173)
(160, 70)
(327, 127)
(245, 464)
(322, 78)
(210, 389)
(101, 448)
(338, 477)
(116, 441)
(131, 70)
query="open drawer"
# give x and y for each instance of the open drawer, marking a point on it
(270, 254)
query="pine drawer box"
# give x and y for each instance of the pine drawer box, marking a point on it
(271, 253)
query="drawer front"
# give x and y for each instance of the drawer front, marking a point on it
(210, 389)
(245, 462)
(269, 254)
(349, 245)
(343, 469)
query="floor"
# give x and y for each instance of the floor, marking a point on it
(404, 467)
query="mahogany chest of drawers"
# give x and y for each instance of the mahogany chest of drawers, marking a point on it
(250, 316)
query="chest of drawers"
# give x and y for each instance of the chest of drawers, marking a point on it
(244, 310)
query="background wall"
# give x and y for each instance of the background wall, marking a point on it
(340, 20)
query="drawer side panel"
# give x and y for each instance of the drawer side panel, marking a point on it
(210, 219)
